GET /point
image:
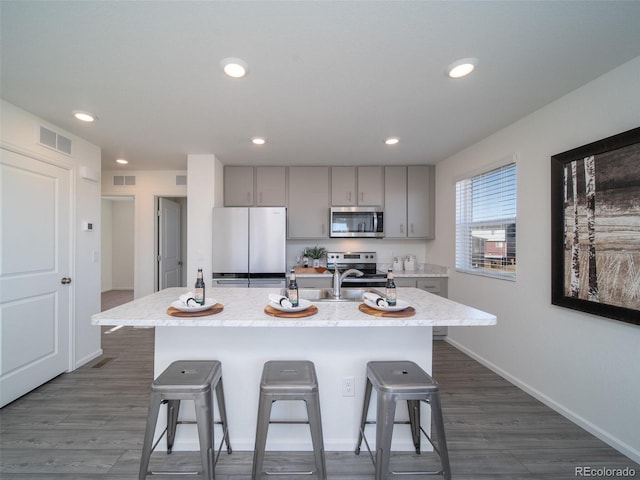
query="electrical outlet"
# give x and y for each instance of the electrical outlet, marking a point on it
(348, 387)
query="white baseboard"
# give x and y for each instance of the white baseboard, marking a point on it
(88, 358)
(622, 447)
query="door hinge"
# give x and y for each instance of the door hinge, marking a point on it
(159, 258)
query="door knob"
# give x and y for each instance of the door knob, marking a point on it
(65, 280)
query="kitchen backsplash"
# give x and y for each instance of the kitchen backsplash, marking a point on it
(386, 250)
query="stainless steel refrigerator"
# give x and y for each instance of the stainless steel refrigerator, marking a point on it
(249, 246)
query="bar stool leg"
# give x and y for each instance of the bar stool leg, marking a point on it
(315, 425)
(414, 421)
(436, 415)
(223, 414)
(385, 416)
(365, 410)
(204, 419)
(152, 418)
(262, 428)
(173, 409)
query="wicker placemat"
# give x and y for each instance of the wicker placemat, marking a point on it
(307, 312)
(407, 312)
(174, 312)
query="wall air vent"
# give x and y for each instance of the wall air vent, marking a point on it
(181, 179)
(51, 139)
(124, 180)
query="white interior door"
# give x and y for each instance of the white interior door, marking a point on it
(170, 262)
(34, 273)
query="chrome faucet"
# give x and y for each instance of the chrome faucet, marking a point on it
(338, 278)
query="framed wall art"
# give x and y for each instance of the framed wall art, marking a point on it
(595, 228)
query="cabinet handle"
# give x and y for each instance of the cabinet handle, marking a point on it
(349, 197)
(260, 197)
(402, 228)
(411, 228)
(248, 197)
(361, 197)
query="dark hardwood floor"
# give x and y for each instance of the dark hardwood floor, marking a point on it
(89, 425)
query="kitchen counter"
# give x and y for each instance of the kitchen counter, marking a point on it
(244, 307)
(339, 340)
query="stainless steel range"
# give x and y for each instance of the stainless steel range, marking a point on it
(366, 262)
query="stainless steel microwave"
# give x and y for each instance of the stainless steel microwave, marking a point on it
(356, 222)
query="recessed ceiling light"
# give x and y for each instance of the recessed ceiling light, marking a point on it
(122, 161)
(462, 67)
(258, 141)
(392, 141)
(84, 116)
(234, 67)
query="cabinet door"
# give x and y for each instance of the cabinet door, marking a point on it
(308, 209)
(437, 286)
(370, 186)
(238, 186)
(395, 202)
(343, 186)
(421, 201)
(270, 187)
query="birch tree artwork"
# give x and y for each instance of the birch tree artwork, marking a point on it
(602, 227)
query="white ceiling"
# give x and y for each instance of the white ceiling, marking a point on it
(328, 81)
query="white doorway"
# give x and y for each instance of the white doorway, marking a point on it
(117, 243)
(35, 280)
(171, 242)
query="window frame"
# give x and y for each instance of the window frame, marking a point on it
(465, 223)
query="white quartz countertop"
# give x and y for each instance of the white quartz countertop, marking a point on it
(244, 307)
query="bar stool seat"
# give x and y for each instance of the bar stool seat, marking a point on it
(289, 380)
(187, 380)
(394, 381)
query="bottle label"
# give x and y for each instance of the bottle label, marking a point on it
(293, 297)
(391, 296)
(199, 295)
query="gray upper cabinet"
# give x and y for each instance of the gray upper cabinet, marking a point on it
(271, 187)
(351, 186)
(409, 197)
(255, 187)
(308, 209)
(238, 187)
(395, 202)
(421, 198)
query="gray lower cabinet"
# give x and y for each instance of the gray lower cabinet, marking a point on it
(315, 282)
(437, 286)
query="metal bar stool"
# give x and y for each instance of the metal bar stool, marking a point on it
(187, 380)
(289, 380)
(402, 380)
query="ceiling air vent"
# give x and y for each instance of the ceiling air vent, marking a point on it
(181, 179)
(51, 139)
(124, 180)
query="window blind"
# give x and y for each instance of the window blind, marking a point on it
(486, 223)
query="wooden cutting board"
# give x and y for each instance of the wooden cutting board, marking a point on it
(174, 312)
(274, 312)
(407, 312)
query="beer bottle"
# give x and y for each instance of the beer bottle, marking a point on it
(391, 289)
(199, 294)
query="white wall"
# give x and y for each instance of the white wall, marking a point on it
(123, 244)
(106, 246)
(20, 131)
(585, 366)
(149, 185)
(205, 180)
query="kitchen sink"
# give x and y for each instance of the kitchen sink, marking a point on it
(326, 294)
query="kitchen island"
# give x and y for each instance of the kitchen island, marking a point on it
(339, 339)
